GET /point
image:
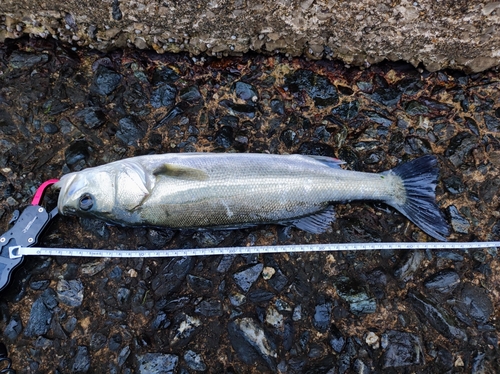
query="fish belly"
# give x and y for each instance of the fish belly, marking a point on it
(253, 189)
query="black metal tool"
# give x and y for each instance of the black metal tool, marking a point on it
(5, 362)
(26, 231)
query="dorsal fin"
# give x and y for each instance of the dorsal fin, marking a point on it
(180, 172)
(328, 161)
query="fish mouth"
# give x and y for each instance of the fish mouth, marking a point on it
(64, 185)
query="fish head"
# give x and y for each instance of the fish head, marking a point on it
(87, 193)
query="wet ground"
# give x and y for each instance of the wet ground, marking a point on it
(391, 311)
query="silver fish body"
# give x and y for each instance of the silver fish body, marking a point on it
(213, 190)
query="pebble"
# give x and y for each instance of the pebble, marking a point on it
(130, 132)
(157, 363)
(70, 292)
(318, 87)
(355, 295)
(444, 281)
(105, 81)
(402, 349)
(244, 279)
(251, 343)
(164, 95)
(194, 361)
(436, 317)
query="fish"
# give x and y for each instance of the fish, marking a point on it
(236, 190)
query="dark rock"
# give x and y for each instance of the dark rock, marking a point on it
(347, 110)
(76, 152)
(160, 321)
(184, 329)
(97, 341)
(386, 96)
(50, 128)
(13, 328)
(24, 60)
(403, 349)
(164, 95)
(194, 361)
(247, 110)
(489, 189)
(70, 292)
(251, 343)
(157, 363)
(171, 276)
(159, 238)
(245, 278)
(478, 365)
(316, 149)
(41, 314)
(199, 284)
(322, 316)
(475, 303)
(225, 263)
(115, 342)
(123, 355)
(95, 227)
(164, 75)
(105, 81)
(91, 117)
(277, 107)
(444, 359)
(378, 118)
(355, 295)
(122, 295)
(231, 121)
(289, 137)
(130, 132)
(39, 285)
(191, 94)
(454, 185)
(70, 325)
(437, 318)
(410, 263)
(458, 222)
(245, 91)
(278, 281)
(336, 339)
(492, 123)
(318, 87)
(260, 296)
(116, 13)
(414, 108)
(444, 281)
(209, 308)
(173, 113)
(81, 363)
(459, 148)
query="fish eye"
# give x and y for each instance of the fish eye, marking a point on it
(86, 202)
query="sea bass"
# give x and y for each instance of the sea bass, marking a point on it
(229, 190)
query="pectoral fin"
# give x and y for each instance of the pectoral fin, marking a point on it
(180, 172)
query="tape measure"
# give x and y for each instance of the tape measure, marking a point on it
(19, 251)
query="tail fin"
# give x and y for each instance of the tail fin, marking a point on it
(419, 179)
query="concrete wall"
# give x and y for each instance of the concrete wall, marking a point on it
(459, 34)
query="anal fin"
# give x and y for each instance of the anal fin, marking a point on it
(316, 223)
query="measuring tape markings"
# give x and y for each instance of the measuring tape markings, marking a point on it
(18, 251)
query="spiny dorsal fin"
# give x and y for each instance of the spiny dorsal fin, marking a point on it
(180, 172)
(328, 161)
